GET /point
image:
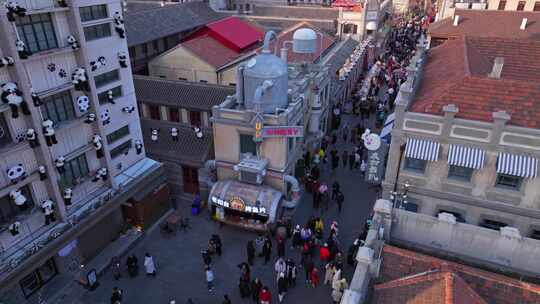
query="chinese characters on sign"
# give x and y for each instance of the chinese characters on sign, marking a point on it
(375, 165)
(283, 131)
(238, 204)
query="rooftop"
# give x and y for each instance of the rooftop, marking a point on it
(343, 52)
(488, 23)
(307, 13)
(409, 277)
(456, 72)
(211, 51)
(240, 33)
(190, 95)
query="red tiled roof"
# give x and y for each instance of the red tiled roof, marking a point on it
(241, 34)
(210, 51)
(488, 23)
(456, 73)
(433, 287)
(398, 263)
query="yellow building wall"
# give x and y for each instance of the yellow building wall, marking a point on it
(180, 63)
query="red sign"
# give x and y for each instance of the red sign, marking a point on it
(286, 131)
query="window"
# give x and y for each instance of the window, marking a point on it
(535, 234)
(203, 81)
(520, 6)
(98, 31)
(58, 107)
(116, 91)
(248, 7)
(174, 114)
(417, 165)
(536, 6)
(121, 149)
(156, 46)
(190, 179)
(490, 224)
(154, 112)
(94, 12)
(502, 5)
(195, 118)
(76, 169)
(37, 278)
(118, 134)
(457, 215)
(37, 32)
(106, 78)
(232, 84)
(460, 173)
(5, 136)
(182, 78)
(9, 211)
(508, 181)
(247, 145)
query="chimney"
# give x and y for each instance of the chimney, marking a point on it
(523, 24)
(496, 71)
(456, 20)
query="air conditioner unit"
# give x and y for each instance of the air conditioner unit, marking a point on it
(251, 170)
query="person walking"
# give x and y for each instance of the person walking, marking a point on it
(259, 245)
(296, 237)
(307, 263)
(291, 273)
(280, 267)
(256, 287)
(206, 257)
(324, 253)
(344, 158)
(250, 248)
(209, 278)
(335, 189)
(314, 277)
(340, 198)
(282, 286)
(218, 245)
(345, 133)
(226, 300)
(267, 250)
(149, 265)
(330, 270)
(336, 296)
(335, 162)
(265, 296)
(281, 247)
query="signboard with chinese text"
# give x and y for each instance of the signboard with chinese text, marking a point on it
(237, 203)
(375, 164)
(282, 131)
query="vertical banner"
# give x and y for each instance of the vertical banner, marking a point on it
(375, 164)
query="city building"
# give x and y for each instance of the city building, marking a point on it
(153, 29)
(75, 174)
(446, 8)
(168, 104)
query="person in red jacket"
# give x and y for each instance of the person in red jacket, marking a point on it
(324, 253)
(265, 296)
(314, 277)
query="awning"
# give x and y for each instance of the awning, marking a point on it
(466, 157)
(388, 125)
(422, 149)
(517, 165)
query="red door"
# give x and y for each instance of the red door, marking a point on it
(191, 180)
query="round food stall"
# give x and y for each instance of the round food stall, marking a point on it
(253, 207)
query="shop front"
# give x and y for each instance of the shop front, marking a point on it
(252, 207)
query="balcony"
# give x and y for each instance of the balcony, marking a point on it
(39, 6)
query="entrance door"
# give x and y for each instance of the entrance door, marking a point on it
(191, 180)
(195, 118)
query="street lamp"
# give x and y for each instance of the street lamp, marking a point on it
(399, 199)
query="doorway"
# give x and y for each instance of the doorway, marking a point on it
(190, 179)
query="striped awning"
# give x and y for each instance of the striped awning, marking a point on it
(517, 165)
(466, 157)
(422, 149)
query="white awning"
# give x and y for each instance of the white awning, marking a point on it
(422, 149)
(466, 157)
(517, 165)
(386, 130)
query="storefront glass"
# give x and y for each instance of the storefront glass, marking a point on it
(39, 277)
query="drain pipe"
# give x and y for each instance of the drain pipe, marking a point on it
(240, 85)
(295, 188)
(210, 166)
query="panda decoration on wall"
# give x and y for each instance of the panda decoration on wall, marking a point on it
(68, 194)
(198, 132)
(13, 8)
(174, 134)
(14, 228)
(16, 173)
(122, 59)
(72, 41)
(100, 62)
(14, 98)
(119, 25)
(154, 135)
(47, 207)
(21, 49)
(31, 136)
(62, 3)
(97, 142)
(59, 163)
(105, 117)
(35, 98)
(128, 109)
(101, 174)
(110, 97)
(49, 133)
(83, 103)
(42, 173)
(90, 118)
(6, 61)
(138, 146)
(18, 198)
(80, 80)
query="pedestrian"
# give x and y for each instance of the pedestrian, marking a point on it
(324, 253)
(250, 252)
(353, 250)
(307, 159)
(116, 296)
(307, 263)
(265, 296)
(206, 257)
(338, 260)
(340, 198)
(334, 229)
(226, 300)
(296, 237)
(314, 277)
(149, 265)
(243, 286)
(267, 250)
(336, 278)
(291, 272)
(256, 287)
(259, 245)
(336, 296)
(316, 198)
(218, 244)
(335, 189)
(344, 158)
(324, 200)
(281, 247)
(209, 278)
(282, 286)
(280, 267)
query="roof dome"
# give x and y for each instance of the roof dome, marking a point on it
(304, 41)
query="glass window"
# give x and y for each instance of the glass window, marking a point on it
(535, 234)
(5, 136)
(39, 277)
(508, 181)
(536, 6)
(416, 165)
(9, 211)
(490, 224)
(58, 107)
(174, 114)
(460, 173)
(520, 6)
(290, 143)
(502, 5)
(97, 31)
(154, 112)
(37, 32)
(195, 118)
(121, 149)
(94, 12)
(106, 78)
(116, 91)
(247, 145)
(76, 170)
(118, 134)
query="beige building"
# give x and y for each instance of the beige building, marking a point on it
(446, 8)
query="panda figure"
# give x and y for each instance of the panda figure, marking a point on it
(14, 9)
(68, 194)
(35, 98)
(21, 49)
(98, 145)
(110, 97)
(119, 25)
(6, 61)
(49, 133)
(122, 59)
(198, 132)
(105, 117)
(18, 198)
(128, 109)
(154, 135)
(59, 163)
(100, 62)
(42, 173)
(14, 228)
(47, 207)
(80, 80)
(83, 103)
(72, 41)
(90, 118)
(31, 136)
(101, 174)
(16, 173)
(138, 146)
(14, 98)
(174, 134)
(62, 3)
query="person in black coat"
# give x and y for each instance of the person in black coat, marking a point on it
(217, 241)
(267, 250)
(256, 286)
(250, 252)
(282, 286)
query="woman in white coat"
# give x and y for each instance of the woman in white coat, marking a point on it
(149, 265)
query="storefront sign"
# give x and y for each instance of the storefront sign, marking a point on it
(375, 164)
(283, 131)
(237, 203)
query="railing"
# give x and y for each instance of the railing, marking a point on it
(38, 4)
